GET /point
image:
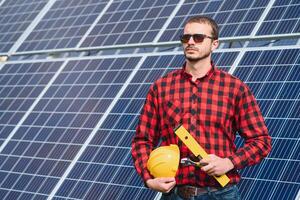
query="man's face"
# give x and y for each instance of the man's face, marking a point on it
(195, 51)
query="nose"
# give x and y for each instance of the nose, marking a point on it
(191, 40)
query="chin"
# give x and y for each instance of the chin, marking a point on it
(194, 58)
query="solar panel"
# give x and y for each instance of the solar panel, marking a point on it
(129, 22)
(20, 85)
(16, 16)
(63, 25)
(235, 18)
(41, 150)
(283, 18)
(66, 124)
(105, 169)
(273, 76)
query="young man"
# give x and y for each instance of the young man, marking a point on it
(213, 106)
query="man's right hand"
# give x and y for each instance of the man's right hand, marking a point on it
(161, 184)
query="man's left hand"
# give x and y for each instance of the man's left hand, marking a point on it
(215, 165)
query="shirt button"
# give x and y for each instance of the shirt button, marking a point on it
(194, 99)
(193, 111)
(193, 120)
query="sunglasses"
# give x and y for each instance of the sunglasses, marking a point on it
(198, 38)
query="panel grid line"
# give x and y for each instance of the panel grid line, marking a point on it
(168, 21)
(30, 28)
(262, 18)
(31, 107)
(95, 22)
(86, 143)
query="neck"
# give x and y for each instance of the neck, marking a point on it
(198, 69)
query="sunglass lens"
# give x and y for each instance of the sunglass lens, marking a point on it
(198, 38)
(185, 38)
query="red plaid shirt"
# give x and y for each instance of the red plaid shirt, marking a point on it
(212, 109)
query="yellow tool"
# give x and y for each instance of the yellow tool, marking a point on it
(197, 150)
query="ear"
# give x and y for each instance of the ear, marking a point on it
(215, 44)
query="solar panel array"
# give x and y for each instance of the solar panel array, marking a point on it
(273, 76)
(63, 25)
(66, 124)
(127, 22)
(284, 17)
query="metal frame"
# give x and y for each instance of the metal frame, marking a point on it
(161, 44)
(1, 2)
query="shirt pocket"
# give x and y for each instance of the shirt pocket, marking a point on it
(172, 114)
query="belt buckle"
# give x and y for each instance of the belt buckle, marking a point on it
(199, 190)
(194, 189)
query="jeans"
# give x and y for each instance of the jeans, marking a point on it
(227, 193)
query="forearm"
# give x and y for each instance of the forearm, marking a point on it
(146, 137)
(252, 152)
(140, 154)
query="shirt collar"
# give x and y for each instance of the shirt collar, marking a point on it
(189, 76)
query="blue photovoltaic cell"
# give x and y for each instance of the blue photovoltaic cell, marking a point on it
(235, 18)
(42, 148)
(128, 22)
(16, 15)
(64, 25)
(283, 18)
(20, 85)
(273, 76)
(105, 168)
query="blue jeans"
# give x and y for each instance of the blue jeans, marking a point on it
(227, 193)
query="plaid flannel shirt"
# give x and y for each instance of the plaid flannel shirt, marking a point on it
(213, 109)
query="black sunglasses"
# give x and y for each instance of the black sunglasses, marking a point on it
(198, 38)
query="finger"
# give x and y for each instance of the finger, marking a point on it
(207, 167)
(212, 155)
(170, 185)
(170, 188)
(167, 179)
(203, 162)
(206, 160)
(167, 187)
(215, 173)
(211, 172)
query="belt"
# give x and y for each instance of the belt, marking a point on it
(187, 192)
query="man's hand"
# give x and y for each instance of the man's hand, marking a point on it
(215, 165)
(161, 184)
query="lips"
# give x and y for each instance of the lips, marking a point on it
(189, 48)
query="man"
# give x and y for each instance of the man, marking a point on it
(212, 105)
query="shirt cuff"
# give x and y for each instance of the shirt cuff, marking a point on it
(235, 161)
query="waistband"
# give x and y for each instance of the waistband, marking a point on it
(188, 191)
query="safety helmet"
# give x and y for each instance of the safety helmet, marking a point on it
(164, 161)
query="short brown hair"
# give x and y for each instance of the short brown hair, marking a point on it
(205, 20)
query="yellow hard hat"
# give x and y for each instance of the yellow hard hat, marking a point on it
(164, 161)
